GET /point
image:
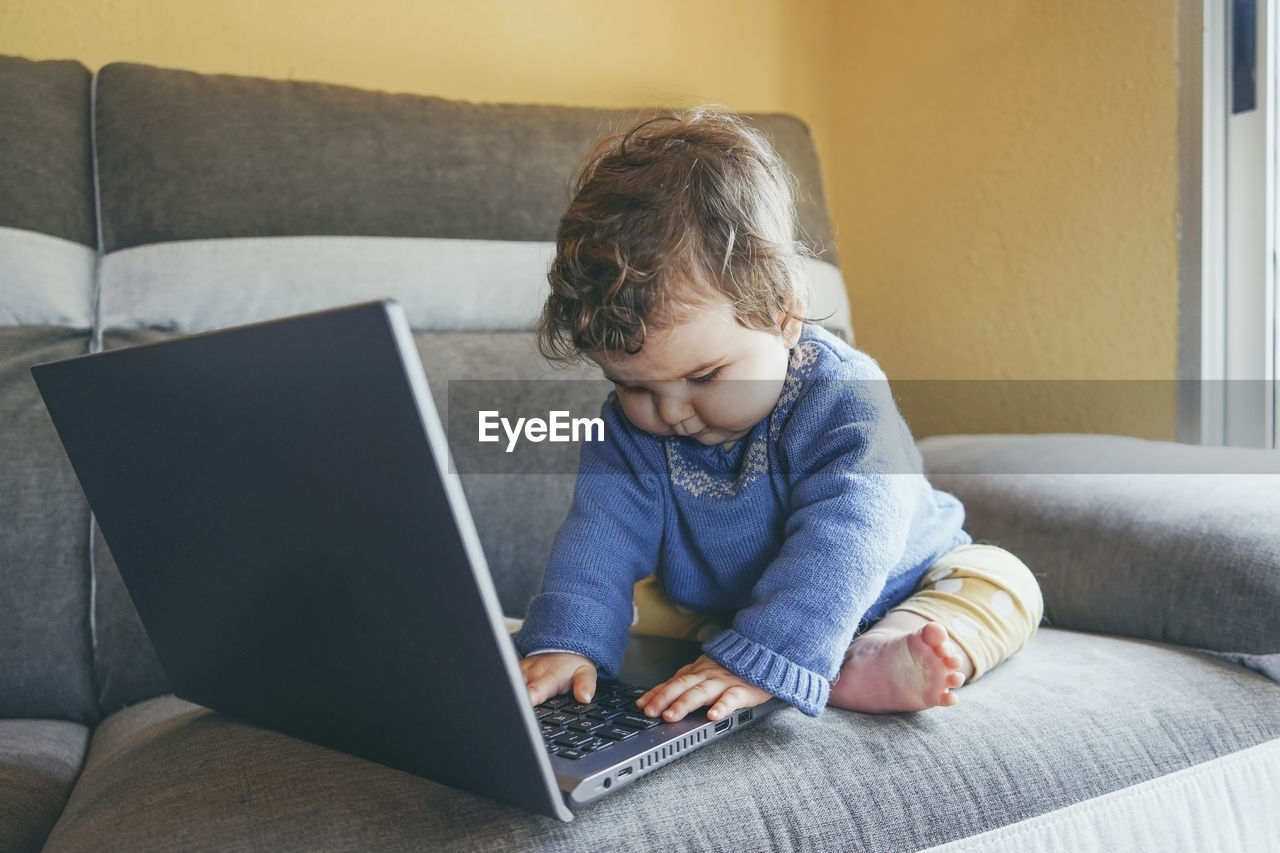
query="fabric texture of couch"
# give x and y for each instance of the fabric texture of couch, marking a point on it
(138, 203)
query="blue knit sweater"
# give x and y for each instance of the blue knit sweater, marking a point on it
(811, 527)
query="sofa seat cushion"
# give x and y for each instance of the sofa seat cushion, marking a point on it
(39, 760)
(1070, 718)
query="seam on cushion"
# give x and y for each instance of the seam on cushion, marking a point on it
(95, 339)
(95, 345)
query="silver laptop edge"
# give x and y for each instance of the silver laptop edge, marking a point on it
(464, 523)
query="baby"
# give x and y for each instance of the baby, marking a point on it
(757, 487)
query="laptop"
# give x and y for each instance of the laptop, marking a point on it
(281, 505)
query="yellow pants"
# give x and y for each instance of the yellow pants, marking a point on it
(985, 597)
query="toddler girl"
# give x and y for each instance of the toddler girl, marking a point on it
(757, 488)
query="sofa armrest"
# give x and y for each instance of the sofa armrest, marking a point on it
(1166, 542)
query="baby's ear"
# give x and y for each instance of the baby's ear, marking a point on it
(792, 325)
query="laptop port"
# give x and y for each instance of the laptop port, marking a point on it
(626, 771)
(723, 725)
(745, 716)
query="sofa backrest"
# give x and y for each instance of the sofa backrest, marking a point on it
(48, 237)
(229, 199)
(224, 200)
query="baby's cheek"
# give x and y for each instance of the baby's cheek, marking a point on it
(748, 402)
(640, 412)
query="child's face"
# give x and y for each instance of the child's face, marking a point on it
(705, 376)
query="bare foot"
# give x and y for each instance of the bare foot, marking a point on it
(902, 663)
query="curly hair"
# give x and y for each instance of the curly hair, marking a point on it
(675, 205)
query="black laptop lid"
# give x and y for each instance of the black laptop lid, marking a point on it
(296, 549)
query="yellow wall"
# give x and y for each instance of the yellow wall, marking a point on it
(746, 53)
(1002, 172)
(1006, 190)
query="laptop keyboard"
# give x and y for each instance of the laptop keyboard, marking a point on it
(573, 729)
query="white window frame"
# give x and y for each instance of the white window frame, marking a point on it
(1238, 311)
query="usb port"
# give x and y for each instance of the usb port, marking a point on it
(723, 724)
(626, 771)
(745, 716)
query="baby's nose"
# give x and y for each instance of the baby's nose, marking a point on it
(673, 408)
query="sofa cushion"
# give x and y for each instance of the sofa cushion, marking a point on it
(44, 578)
(47, 255)
(1070, 718)
(48, 231)
(46, 186)
(39, 761)
(1224, 804)
(1169, 542)
(286, 158)
(228, 199)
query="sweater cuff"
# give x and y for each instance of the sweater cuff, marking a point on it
(577, 624)
(770, 671)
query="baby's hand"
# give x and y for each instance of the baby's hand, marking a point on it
(552, 673)
(700, 683)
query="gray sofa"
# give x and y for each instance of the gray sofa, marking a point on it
(137, 204)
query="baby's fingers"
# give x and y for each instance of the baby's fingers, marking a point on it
(547, 675)
(543, 685)
(584, 683)
(656, 700)
(660, 698)
(703, 693)
(737, 696)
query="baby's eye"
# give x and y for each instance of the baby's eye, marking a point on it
(704, 378)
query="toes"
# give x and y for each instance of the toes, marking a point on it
(955, 679)
(934, 635)
(949, 699)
